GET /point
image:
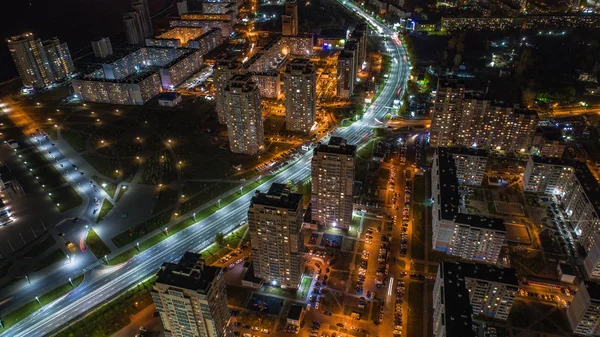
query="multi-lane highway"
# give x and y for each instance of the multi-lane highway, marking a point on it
(104, 282)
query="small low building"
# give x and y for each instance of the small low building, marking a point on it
(169, 99)
(566, 273)
(296, 314)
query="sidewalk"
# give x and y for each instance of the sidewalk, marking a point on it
(146, 319)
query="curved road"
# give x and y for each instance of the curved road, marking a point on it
(103, 283)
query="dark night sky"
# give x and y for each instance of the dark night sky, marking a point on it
(76, 22)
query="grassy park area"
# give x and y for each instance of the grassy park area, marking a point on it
(50, 259)
(65, 198)
(96, 245)
(106, 207)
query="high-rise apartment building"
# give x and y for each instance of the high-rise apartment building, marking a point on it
(102, 47)
(243, 115)
(346, 73)
(469, 236)
(141, 7)
(275, 224)
(134, 33)
(462, 119)
(332, 175)
(224, 69)
(577, 189)
(360, 35)
(584, 311)
(300, 95)
(191, 299)
(465, 289)
(59, 58)
(182, 7)
(289, 20)
(40, 63)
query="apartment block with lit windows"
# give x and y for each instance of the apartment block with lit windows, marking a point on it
(470, 164)
(584, 311)
(465, 119)
(40, 63)
(275, 225)
(547, 175)
(577, 190)
(332, 175)
(469, 236)
(300, 95)
(465, 289)
(224, 69)
(138, 76)
(243, 115)
(191, 298)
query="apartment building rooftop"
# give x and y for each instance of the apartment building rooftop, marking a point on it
(189, 273)
(450, 199)
(345, 54)
(553, 161)
(243, 81)
(336, 145)
(484, 272)
(457, 307)
(550, 133)
(593, 290)
(279, 196)
(467, 151)
(300, 64)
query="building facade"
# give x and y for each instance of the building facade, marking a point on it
(208, 41)
(465, 289)
(455, 232)
(102, 48)
(547, 175)
(584, 311)
(138, 76)
(40, 63)
(191, 298)
(289, 20)
(346, 73)
(332, 175)
(360, 35)
(470, 164)
(224, 69)
(576, 188)
(275, 224)
(465, 120)
(269, 83)
(300, 95)
(141, 8)
(134, 33)
(243, 115)
(59, 58)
